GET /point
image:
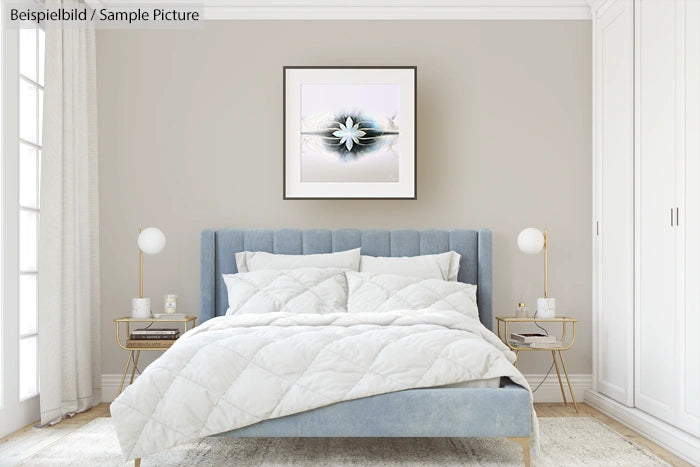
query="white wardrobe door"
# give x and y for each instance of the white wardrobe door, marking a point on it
(655, 240)
(688, 402)
(614, 188)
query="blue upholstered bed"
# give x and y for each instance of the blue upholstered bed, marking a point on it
(435, 412)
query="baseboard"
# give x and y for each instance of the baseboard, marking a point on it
(548, 392)
(680, 443)
(110, 386)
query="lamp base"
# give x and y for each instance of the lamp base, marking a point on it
(141, 308)
(546, 308)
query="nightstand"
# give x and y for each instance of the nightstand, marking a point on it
(556, 349)
(135, 351)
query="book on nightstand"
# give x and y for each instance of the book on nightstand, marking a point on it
(155, 333)
(528, 338)
(536, 345)
(149, 343)
(154, 337)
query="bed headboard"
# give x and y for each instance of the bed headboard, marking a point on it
(219, 246)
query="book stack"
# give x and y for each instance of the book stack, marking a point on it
(534, 340)
(153, 337)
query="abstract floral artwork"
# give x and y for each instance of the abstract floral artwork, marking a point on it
(349, 132)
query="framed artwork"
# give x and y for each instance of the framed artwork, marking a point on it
(349, 132)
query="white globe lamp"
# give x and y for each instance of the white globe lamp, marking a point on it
(531, 241)
(151, 241)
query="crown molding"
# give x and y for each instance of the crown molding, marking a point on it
(375, 9)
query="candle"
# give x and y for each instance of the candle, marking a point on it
(170, 301)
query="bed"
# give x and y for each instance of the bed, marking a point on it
(444, 412)
(385, 410)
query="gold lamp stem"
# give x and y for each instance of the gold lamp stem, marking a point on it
(546, 264)
(141, 269)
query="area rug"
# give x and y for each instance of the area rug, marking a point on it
(564, 442)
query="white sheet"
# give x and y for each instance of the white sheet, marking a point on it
(477, 383)
(237, 370)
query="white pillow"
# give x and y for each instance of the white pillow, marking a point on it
(443, 266)
(389, 292)
(248, 261)
(303, 290)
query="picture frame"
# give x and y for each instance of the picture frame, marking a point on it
(349, 132)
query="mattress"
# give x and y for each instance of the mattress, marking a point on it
(477, 383)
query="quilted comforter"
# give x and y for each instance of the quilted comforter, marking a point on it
(235, 371)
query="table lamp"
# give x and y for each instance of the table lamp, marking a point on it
(531, 241)
(151, 241)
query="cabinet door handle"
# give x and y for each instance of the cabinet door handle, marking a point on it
(671, 217)
(597, 229)
(678, 222)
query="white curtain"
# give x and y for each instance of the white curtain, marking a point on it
(69, 295)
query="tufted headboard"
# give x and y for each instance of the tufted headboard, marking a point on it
(219, 246)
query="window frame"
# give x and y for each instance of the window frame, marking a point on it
(15, 411)
(35, 210)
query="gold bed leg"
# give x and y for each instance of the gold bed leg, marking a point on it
(524, 442)
(137, 462)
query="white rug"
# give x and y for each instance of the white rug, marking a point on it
(564, 442)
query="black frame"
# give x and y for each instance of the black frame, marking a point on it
(415, 132)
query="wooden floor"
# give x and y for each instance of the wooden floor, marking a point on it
(25, 442)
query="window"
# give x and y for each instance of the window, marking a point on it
(31, 97)
(21, 145)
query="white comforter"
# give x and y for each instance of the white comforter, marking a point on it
(238, 370)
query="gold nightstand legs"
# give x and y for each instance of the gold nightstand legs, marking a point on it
(133, 370)
(126, 368)
(571, 391)
(561, 386)
(566, 375)
(129, 359)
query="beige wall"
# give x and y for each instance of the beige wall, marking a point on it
(190, 136)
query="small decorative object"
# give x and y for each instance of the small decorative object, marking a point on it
(170, 301)
(521, 311)
(151, 241)
(141, 307)
(349, 132)
(531, 241)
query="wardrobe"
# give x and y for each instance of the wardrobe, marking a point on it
(646, 218)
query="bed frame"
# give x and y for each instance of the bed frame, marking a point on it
(435, 412)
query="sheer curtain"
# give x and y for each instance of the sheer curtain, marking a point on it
(69, 295)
